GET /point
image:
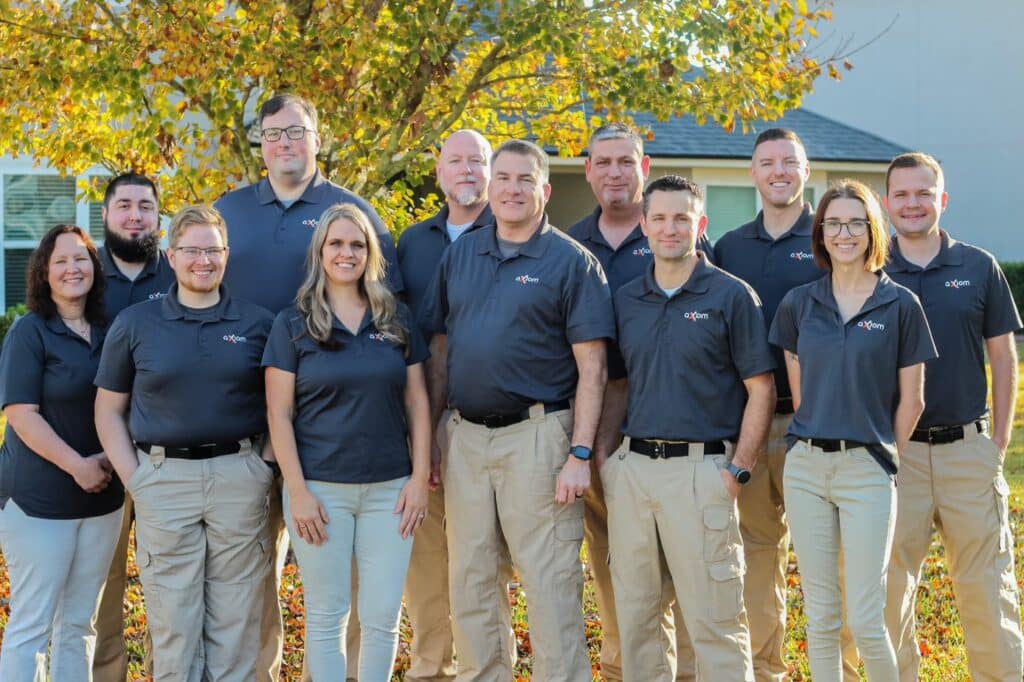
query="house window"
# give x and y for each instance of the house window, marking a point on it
(728, 208)
(809, 197)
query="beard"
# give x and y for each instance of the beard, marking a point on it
(140, 250)
(464, 197)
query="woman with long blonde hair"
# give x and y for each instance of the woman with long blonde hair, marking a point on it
(349, 421)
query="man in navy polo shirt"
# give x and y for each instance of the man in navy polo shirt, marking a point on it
(269, 227)
(463, 173)
(135, 270)
(951, 473)
(520, 314)
(772, 253)
(616, 168)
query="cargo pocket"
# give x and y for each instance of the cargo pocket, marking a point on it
(719, 539)
(569, 528)
(726, 589)
(1002, 490)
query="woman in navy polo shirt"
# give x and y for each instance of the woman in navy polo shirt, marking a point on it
(855, 343)
(347, 402)
(61, 508)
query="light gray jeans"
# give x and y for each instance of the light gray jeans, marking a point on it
(842, 500)
(361, 523)
(56, 568)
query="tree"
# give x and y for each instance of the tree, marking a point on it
(172, 87)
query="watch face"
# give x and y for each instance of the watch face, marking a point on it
(743, 476)
(580, 452)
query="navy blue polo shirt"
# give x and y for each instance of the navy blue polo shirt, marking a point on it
(511, 322)
(350, 422)
(194, 375)
(269, 242)
(687, 355)
(967, 300)
(627, 262)
(419, 253)
(772, 267)
(120, 292)
(849, 372)
(46, 364)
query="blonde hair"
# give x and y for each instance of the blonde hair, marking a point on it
(200, 214)
(312, 300)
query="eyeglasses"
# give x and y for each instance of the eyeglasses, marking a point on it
(213, 252)
(293, 133)
(855, 228)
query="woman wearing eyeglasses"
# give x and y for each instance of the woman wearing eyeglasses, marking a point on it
(180, 411)
(855, 343)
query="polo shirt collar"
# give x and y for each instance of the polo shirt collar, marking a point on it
(947, 255)
(440, 220)
(110, 268)
(698, 282)
(96, 333)
(885, 292)
(592, 231)
(172, 309)
(311, 195)
(801, 228)
(534, 247)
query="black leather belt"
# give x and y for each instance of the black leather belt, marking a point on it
(784, 406)
(832, 444)
(205, 451)
(497, 421)
(661, 449)
(938, 435)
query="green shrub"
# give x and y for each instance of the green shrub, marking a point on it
(1015, 276)
(13, 313)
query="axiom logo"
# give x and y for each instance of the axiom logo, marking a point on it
(870, 325)
(642, 251)
(234, 338)
(376, 336)
(311, 223)
(527, 279)
(157, 295)
(693, 316)
(801, 255)
(958, 283)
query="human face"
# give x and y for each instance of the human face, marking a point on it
(290, 161)
(463, 169)
(616, 172)
(779, 170)
(344, 252)
(845, 249)
(673, 223)
(200, 274)
(915, 200)
(69, 272)
(516, 193)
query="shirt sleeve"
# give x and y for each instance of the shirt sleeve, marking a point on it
(916, 344)
(784, 332)
(748, 337)
(434, 310)
(117, 363)
(280, 351)
(587, 302)
(1001, 316)
(22, 364)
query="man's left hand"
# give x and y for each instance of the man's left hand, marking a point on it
(573, 481)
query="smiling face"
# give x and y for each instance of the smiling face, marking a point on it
(779, 169)
(200, 274)
(69, 272)
(673, 222)
(344, 252)
(845, 248)
(463, 168)
(616, 171)
(290, 161)
(915, 199)
(517, 192)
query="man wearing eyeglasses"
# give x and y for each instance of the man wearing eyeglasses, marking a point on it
(269, 228)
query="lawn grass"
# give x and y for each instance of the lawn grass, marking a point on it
(944, 658)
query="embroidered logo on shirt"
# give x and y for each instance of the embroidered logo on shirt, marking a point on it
(870, 325)
(376, 336)
(157, 295)
(693, 316)
(801, 255)
(311, 223)
(642, 251)
(234, 338)
(958, 283)
(527, 279)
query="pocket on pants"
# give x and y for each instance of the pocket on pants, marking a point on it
(1002, 494)
(721, 533)
(726, 583)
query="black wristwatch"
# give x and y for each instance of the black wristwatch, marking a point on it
(580, 452)
(741, 475)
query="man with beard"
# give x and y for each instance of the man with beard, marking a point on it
(136, 270)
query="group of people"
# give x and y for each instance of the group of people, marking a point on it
(421, 420)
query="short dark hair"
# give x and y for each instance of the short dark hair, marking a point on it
(878, 229)
(915, 160)
(778, 134)
(285, 99)
(525, 148)
(671, 183)
(616, 131)
(39, 298)
(129, 178)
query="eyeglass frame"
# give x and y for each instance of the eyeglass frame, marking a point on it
(276, 133)
(196, 252)
(826, 231)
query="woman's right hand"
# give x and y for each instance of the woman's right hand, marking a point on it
(92, 474)
(309, 516)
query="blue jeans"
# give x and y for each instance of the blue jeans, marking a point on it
(361, 523)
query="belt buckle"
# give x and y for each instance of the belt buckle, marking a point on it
(659, 450)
